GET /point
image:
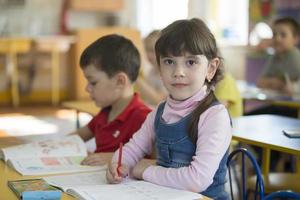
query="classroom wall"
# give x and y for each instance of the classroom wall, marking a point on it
(235, 60)
(39, 17)
(30, 20)
(35, 17)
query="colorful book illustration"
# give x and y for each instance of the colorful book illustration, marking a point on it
(93, 185)
(34, 188)
(53, 156)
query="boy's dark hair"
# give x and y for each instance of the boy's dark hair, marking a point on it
(291, 22)
(112, 54)
(191, 36)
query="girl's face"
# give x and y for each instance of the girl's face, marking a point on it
(102, 89)
(283, 38)
(185, 75)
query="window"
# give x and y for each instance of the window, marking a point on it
(232, 22)
(157, 14)
(228, 23)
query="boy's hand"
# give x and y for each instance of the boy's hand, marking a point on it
(112, 175)
(288, 89)
(95, 159)
(140, 167)
(271, 83)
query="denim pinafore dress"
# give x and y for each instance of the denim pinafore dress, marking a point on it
(175, 149)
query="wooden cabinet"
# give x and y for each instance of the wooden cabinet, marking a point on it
(96, 5)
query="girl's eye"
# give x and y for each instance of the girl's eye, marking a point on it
(191, 62)
(168, 61)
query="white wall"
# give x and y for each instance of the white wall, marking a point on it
(35, 17)
(42, 17)
(235, 60)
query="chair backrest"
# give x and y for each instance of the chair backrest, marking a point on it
(259, 189)
(283, 195)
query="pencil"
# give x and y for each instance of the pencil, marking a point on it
(120, 159)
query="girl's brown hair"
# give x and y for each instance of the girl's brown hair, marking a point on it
(194, 37)
(191, 36)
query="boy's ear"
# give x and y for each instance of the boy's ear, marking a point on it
(212, 68)
(121, 79)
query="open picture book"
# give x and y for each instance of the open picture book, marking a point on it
(52, 156)
(93, 185)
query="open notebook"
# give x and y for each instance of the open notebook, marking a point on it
(93, 185)
(52, 156)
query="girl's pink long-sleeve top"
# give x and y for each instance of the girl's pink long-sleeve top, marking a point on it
(214, 136)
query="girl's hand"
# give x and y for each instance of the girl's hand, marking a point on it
(112, 174)
(140, 167)
(95, 159)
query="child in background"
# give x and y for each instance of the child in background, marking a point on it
(191, 130)
(286, 61)
(150, 86)
(283, 67)
(111, 66)
(153, 77)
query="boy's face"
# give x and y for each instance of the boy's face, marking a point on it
(185, 75)
(283, 38)
(102, 89)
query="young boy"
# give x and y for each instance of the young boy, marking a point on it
(282, 68)
(285, 64)
(111, 66)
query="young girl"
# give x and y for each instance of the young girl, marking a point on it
(191, 130)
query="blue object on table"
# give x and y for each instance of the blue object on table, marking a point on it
(42, 195)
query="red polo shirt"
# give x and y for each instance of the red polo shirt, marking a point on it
(108, 135)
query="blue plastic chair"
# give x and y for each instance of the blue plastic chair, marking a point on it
(259, 189)
(283, 195)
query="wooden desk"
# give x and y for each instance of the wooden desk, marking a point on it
(55, 45)
(266, 131)
(52, 44)
(251, 92)
(6, 173)
(11, 47)
(81, 106)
